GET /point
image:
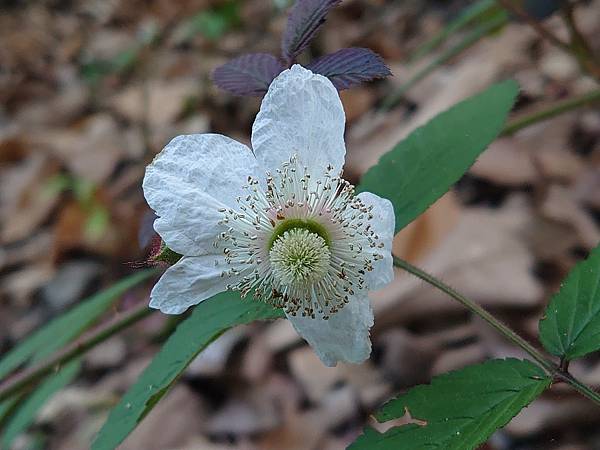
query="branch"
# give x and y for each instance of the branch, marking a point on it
(32, 375)
(553, 110)
(538, 356)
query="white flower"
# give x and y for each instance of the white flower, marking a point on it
(278, 223)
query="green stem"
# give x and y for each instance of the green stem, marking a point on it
(552, 111)
(582, 388)
(478, 310)
(503, 329)
(35, 373)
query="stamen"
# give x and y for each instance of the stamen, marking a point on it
(299, 243)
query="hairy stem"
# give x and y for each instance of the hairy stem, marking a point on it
(32, 375)
(555, 371)
(553, 110)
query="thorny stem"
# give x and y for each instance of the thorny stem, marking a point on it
(553, 110)
(557, 372)
(78, 348)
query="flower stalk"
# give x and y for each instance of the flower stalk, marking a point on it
(31, 376)
(559, 373)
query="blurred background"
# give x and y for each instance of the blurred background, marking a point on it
(91, 90)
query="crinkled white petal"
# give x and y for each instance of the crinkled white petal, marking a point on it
(190, 226)
(191, 280)
(301, 114)
(344, 337)
(383, 224)
(187, 183)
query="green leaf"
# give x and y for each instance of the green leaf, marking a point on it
(212, 24)
(458, 410)
(93, 71)
(420, 169)
(570, 327)
(7, 407)
(97, 222)
(67, 327)
(208, 320)
(28, 409)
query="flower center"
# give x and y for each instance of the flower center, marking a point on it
(299, 258)
(293, 224)
(298, 243)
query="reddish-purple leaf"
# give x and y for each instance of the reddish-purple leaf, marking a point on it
(146, 231)
(303, 22)
(350, 66)
(249, 74)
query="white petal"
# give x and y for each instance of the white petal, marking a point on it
(383, 224)
(301, 114)
(188, 181)
(187, 283)
(344, 337)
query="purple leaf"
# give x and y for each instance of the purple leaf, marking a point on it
(303, 22)
(249, 74)
(350, 66)
(146, 231)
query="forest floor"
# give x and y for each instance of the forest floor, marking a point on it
(90, 91)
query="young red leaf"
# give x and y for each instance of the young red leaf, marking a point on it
(249, 74)
(350, 66)
(303, 22)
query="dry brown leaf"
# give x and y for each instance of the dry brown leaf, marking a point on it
(484, 250)
(25, 200)
(91, 150)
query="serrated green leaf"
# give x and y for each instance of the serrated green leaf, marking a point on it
(67, 327)
(421, 168)
(208, 320)
(28, 409)
(570, 327)
(458, 410)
